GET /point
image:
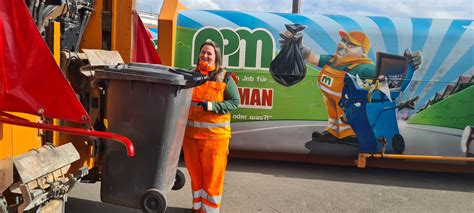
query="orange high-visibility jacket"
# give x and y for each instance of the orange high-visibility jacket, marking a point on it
(209, 124)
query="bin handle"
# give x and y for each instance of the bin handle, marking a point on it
(14, 120)
(195, 79)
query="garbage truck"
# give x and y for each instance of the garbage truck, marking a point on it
(37, 170)
(58, 96)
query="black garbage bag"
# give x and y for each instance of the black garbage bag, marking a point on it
(289, 67)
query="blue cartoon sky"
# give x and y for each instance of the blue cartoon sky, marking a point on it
(453, 9)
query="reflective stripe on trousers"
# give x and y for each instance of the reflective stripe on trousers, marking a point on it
(197, 199)
(337, 125)
(213, 199)
(197, 204)
(339, 128)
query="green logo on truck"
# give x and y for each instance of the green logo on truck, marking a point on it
(242, 48)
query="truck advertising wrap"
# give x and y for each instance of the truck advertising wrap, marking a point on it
(335, 85)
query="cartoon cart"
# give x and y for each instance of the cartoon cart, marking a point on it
(370, 108)
(374, 121)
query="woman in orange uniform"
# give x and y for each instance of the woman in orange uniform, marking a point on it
(208, 132)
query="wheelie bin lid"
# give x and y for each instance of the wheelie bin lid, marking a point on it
(154, 73)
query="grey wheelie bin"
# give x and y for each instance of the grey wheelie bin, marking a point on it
(148, 104)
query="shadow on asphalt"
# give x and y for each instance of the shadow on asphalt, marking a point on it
(352, 174)
(374, 176)
(76, 205)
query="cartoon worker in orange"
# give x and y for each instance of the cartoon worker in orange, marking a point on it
(350, 57)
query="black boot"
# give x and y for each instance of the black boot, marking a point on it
(324, 136)
(349, 140)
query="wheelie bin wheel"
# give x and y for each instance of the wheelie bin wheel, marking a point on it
(179, 180)
(153, 201)
(398, 144)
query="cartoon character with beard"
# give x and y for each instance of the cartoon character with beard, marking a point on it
(350, 57)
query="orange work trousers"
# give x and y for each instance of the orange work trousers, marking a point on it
(335, 126)
(206, 161)
(331, 83)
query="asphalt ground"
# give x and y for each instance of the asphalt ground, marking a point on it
(275, 186)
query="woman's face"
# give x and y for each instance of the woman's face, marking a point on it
(208, 54)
